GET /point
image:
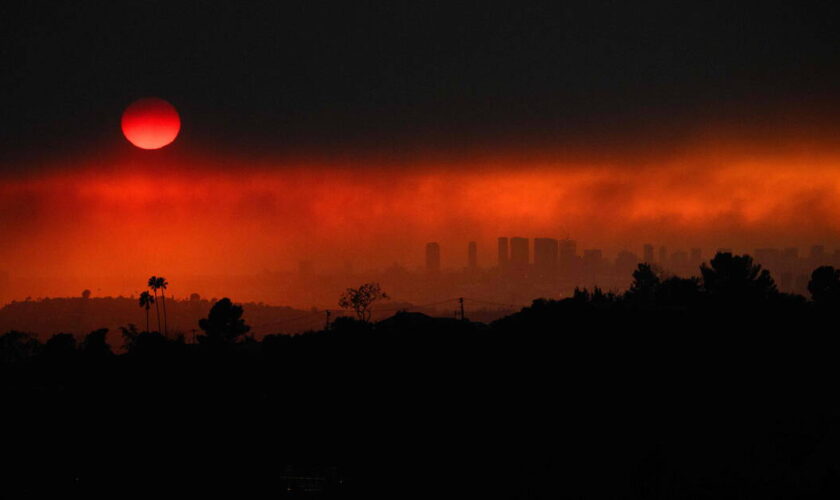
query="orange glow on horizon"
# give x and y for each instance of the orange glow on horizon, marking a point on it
(201, 219)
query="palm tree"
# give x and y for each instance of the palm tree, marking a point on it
(146, 301)
(153, 284)
(162, 284)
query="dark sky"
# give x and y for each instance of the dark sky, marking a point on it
(280, 77)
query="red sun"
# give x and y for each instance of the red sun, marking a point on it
(150, 123)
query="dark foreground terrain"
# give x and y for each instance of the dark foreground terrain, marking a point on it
(670, 391)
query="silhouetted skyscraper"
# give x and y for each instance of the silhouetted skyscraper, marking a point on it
(472, 256)
(593, 263)
(432, 258)
(626, 262)
(663, 256)
(567, 249)
(545, 256)
(648, 253)
(519, 253)
(504, 252)
(567, 257)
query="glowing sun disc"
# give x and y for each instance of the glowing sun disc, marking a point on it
(150, 123)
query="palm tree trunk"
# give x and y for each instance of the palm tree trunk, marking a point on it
(157, 310)
(163, 299)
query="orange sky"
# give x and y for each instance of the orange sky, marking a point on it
(135, 215)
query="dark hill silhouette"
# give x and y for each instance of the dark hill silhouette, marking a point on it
(674, 389)
(79, 316)
(44, 317)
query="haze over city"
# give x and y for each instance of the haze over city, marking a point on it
(103, 224)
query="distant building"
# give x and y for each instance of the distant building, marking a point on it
(593, 263)
(663, 256)
(567, 249)
(520, 255)
(625, 263)
(648, 253)
(472, 256)
(594, 254)
(545, 256)
(504, 252)
(567, 257)
(432, 258)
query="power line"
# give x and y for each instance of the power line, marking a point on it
(344, 312)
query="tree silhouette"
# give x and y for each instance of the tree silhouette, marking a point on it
(130, 333)
(361, 299)
(146, 301)
(161, 283)
(95, 344)
(16, 346)
(645, 284)
(224, 323)
(735, 278)
(825, 285)
(60, 345)
(153, 284)
(678, 292)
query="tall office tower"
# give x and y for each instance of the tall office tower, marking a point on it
(593, 255)
(663, 256)
(472, 256)
(520, 255)
(567, 250)
(504, 252)
(593, 263)
(432, 258)
(567, 257)
(626, 262)
(648, 253)
(545, 256)
(696, 257)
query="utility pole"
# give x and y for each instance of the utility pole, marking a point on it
(327, 326)
(461, 301)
